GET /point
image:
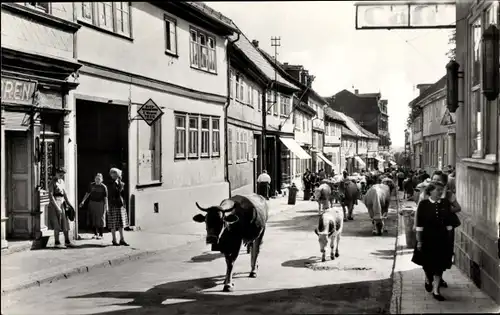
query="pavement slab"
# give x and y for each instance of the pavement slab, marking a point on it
(188, 279)
(410, 297)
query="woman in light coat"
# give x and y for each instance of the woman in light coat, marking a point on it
(58, 221)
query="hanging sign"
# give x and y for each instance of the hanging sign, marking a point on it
(150, 112)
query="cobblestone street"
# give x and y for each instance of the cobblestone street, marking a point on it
(188, 279)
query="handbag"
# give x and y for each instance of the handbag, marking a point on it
(69, 211)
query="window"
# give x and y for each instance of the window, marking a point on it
(42, 6)
(202, 51)
(149, 159)
(259, 100)
(170, 35)
(239, 151)
(202, 133)
(180, 136)
(249, 95)
(205, 136)
(269, 105)
(276, 104)
(111, 16)
(193, 137)
(285, 104)
(215, 137)
(238, 87)
(230, 146)
(231, 84)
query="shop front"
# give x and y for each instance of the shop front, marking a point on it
(35, 138)
(295, 160)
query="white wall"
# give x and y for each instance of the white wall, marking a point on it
(145, 54)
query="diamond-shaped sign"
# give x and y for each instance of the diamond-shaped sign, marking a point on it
(150, 112)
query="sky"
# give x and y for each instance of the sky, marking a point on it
(321, 36)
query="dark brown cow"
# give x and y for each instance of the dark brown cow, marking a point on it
(239, 219)
(349, 194)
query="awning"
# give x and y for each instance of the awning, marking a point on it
(392, 163)
(360, 161)
(16, 121)
(379, 158)
(321, 156)
(293, 146)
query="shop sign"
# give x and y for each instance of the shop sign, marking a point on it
(150, 112)
(18, 91)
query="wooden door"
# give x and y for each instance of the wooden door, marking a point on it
(19, 187)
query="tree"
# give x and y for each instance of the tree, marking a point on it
(452, 41)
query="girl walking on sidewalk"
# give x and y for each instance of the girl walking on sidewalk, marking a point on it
(117, 215)
(98, 205)
(434, 227)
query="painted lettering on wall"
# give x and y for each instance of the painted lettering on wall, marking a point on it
(18, 91)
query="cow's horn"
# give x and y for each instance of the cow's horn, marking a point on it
(199, 207)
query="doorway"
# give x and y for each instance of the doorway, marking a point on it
(102, 143)
(18, 182)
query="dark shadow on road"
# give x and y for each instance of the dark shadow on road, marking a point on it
(76, 246)
(206, 257)
(345, 298)
(301, 263)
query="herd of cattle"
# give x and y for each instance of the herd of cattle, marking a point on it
(242, 219)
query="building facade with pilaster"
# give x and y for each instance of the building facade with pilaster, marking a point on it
(38, 75)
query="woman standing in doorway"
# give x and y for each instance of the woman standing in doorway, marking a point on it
(117, 215)
(58, 221)
(98, 205)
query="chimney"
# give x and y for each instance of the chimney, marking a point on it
(255, 43)
(285, 63)
(422, 87)
(356, 91)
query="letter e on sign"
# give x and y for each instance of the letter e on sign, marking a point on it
(150, 112)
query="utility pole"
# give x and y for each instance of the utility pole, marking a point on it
(275, 42)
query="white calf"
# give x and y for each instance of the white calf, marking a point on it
(330, 228)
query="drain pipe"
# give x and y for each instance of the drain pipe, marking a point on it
(226, 106)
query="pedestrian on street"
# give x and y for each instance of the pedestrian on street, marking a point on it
(117, 215)
(434, 228)
(98, 205)
(401, 178)
(58, 220)
(263, 184)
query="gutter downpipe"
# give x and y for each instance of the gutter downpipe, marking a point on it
(228, 102)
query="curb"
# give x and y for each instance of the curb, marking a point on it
(397, 277)
(102, 264)
(86, 268)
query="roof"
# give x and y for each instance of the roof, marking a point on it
(351, 124)
(364, 95)
(440, 84)
(216, 15)
(289, 77)
(347, 132)
(332, 114)
(249, 50)
(369, 134)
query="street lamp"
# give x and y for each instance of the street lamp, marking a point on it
(491, 82)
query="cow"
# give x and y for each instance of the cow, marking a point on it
(330, 228)
(349, 194)
(324, 196)
(239, 219)
(377, 201)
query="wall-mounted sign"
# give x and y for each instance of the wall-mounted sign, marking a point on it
(150, 112)
(18, 91)
(407, 15)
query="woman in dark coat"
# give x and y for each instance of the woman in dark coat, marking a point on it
(434, 227)
(117, 215)
(98, 205)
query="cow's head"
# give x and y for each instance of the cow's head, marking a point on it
(216, 218)
(323, 238)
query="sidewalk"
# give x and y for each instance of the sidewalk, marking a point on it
(410, 297)
(28, 268)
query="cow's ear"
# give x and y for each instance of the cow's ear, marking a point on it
(200, 218)
(316, 231)
(232, 218)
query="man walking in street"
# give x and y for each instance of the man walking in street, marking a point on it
(263, 184)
